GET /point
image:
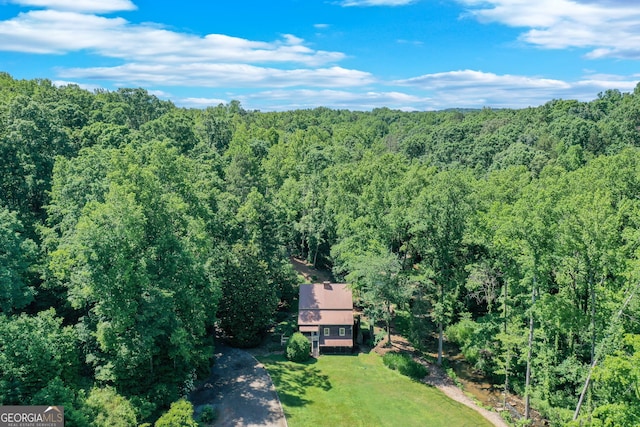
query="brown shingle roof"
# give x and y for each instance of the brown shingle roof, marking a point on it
(325, 304)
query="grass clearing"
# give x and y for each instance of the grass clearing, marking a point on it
(359, 390)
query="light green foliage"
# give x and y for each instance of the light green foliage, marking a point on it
(617, 383)
(298, 348)
(476, 341)
(179, 415)
(106, 408)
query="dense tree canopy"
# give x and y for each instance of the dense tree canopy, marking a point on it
(129, 228)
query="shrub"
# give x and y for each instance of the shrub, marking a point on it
(454, 377)
(298, 348)
(462, 333)
(106, 408)
(405, 364)
(179, 415)
(379, 337)
(286, 327)
(471, 337)
(208, 414)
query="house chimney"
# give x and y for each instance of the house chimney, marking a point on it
(327, 285)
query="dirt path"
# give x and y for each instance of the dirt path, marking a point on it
(439, 379)
(309, 272)
(442, 382)
(241, 391)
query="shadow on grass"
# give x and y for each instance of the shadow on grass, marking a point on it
(292, 380)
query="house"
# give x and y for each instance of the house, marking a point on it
(325, 316)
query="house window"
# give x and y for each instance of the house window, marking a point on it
(327, 332)
(343, 332)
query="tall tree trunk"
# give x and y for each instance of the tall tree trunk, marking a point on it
(508, 355)
(527, 385)
(504, 306)
(315, 255)
(440, 340)
(440, 329)
(592, 289)
(388, 324)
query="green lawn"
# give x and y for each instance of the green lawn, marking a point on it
(361, 391)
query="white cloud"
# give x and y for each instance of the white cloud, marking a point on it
(350, 3)
(95, 6)
(608, 28)
(152, 54)
(467, 78)
(290, 74)
(85, 86)
(280, 100)
(52, 31)
(159, 93)
(476, 89)
(199, 102)
(413, 42)
(221, 75)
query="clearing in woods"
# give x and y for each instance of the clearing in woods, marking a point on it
(358, 390)
(291, 380)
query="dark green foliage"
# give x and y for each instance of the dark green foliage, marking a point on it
(248, 299)
(298, 348)
(286, 327)
(144, 225)
(17, 253)
(405, 364)
(138, 259)
(36, 350)
(208, 415)
(75, 412)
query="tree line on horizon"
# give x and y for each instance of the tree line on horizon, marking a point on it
(130, 228)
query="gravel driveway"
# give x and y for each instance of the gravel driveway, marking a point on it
(241, 391)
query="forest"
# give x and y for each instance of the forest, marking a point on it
(131, 228)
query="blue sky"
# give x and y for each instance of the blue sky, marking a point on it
(354, 54)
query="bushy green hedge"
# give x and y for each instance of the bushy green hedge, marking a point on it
(179, 415)
(405, 364)
(298, 348)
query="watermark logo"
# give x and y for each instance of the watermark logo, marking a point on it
(31, 416)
